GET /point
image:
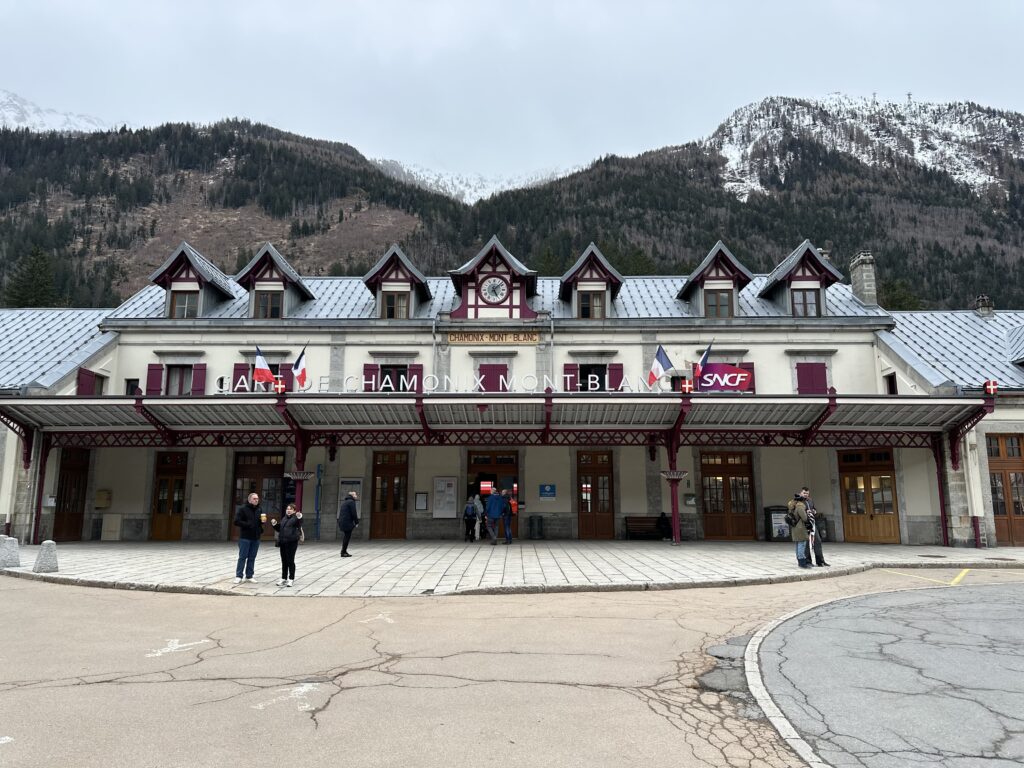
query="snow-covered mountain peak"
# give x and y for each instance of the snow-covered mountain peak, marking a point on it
(960, 138)
(18, 112)
(467, 188)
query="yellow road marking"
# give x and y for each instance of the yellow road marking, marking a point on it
(960, 577)
(915, 576)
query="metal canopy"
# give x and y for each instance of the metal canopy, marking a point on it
(498, 417)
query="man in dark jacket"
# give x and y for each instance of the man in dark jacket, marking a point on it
(348, 519)
(799, 532)
(249, 518)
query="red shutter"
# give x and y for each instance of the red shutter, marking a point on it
(749, 367)
(491, 374)
(86, 383)
(287, 377)
(416, 376)
(615, 375)
(198, 379)
(371, 377)
(571, 377)
(811, 378)
(240, 371)
(154, 379)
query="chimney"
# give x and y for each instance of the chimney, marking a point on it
(862, 278)
(984, 305)
(826, 251)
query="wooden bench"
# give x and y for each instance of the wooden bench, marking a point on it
(642, 527)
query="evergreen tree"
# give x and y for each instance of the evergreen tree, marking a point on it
(32, 282)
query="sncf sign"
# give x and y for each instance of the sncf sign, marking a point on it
(719, 377)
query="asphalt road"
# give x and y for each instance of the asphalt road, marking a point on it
(95, 677)
(930, 677)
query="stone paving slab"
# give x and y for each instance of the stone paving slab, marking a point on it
(406, 568)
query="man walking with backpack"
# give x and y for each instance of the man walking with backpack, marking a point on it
(800, 525)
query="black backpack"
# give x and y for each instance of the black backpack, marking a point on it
(792, 518)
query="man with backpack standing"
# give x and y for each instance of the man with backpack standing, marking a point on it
(800, 525)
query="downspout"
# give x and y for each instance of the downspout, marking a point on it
(551, 318)
(37, 520)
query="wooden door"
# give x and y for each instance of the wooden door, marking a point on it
(69, 515)
(867, 488)
(501, 468)
(264, 474)
(595, 499)
(1006, 481)
(390, 495)
(168, 508)
(727, 484)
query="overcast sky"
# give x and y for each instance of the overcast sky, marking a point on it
(498, 88)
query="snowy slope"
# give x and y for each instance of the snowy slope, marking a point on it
(466, 188)
(17, 112)
(961, 138)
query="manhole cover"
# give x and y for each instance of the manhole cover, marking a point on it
(940, 557)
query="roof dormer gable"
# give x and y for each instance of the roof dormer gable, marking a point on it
(394, 269)
(186, 267)
(719, 267)
(591, 268)
(806, 267)
(269, 266)
(494, 284)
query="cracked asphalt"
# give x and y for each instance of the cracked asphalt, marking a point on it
(95, 677)
(928, 677)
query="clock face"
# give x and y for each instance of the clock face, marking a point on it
(493, 290)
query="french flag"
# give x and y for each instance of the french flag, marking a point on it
(261, 371)
(299, 369)
(659, 366)
(700, 366)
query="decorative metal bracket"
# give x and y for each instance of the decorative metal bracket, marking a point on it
(165, 432)
(824, 416)
(960, 431)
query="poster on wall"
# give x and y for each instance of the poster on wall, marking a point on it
(446, 501)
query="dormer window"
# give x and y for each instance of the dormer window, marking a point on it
(184, 304)
(394, 306)
(590, 305)
(718, 302)
(268, 305)
(805, 302)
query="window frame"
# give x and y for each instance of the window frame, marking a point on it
(258, 312)
(401, 305)
(803, 294)
(588, 369)
(717, 293)
(186, 295)
(385, 379)
(176, 373)
(593, 299)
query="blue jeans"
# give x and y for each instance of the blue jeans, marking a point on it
(506, 521)
(492, 527)
(247, 549)
(801, 553)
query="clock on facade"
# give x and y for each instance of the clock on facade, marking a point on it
(493, 290)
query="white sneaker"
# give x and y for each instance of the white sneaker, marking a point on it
(251, 579)
(238, 580)
(289, 583)
(280, 582)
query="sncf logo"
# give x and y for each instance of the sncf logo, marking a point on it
(719, 376)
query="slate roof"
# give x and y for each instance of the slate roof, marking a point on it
(639, 298)
(790, 263)
(39, 347)
(419, 279)
(595, 252)
(282, 265)
(201, 264)
(514, 264)
(960, 347)
(719, 248)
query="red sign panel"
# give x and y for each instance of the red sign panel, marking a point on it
(721, 377)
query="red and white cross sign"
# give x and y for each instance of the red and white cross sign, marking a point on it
(686, 385)
(991, 387)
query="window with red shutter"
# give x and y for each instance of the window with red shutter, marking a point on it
(615, 374)
(749, 368)
(811, 378)
(371, 377)
(570, 376)
(154, 379)
(494, 377)
(86, 383)
(198, 379)
(416, 377)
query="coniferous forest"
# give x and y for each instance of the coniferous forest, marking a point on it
(84, 214)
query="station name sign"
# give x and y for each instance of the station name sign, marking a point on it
(493, 337)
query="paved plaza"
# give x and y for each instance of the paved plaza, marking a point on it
(409, 568)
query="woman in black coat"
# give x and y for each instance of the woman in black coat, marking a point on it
(289, 532)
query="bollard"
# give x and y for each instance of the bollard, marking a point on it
(9, 555)
(46, 560)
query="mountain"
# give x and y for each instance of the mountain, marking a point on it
(935, 191)
(462, 187)
(16, 112)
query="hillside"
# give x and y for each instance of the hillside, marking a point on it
(936, 191)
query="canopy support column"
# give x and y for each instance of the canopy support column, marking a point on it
(44, 454)
(672, 447)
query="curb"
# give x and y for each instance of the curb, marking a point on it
(533, 589)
